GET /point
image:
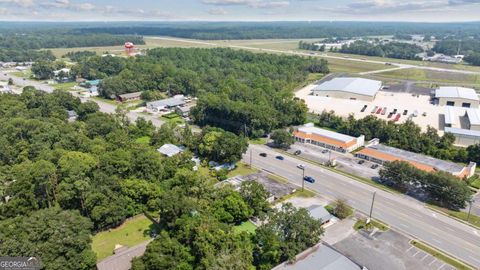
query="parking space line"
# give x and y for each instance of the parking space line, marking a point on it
(418, 251)
(434, 260)
(426, 255)
(409, 249)
(441, 266)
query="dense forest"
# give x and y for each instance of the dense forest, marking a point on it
(25, 45)
(61, 181)
(400, 50)
(237, 90)
(19, 55)
(262, 30)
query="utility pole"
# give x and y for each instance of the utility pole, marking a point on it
(250, 158)
(470, 209)
(303, 178)
(371, 207)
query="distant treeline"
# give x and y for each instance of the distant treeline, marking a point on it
(263, 30)
(398, 50)
(40, 40)
(13, 55)
(468, 47)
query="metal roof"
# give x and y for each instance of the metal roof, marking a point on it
(473, 116)
(168, 102)
(450, 116)
(323, 258)
(309, 128)
(319, 212)
(438, 164)
(352, 85)
(131, 95)
(461, 131)
(170, 150)
(456, 92)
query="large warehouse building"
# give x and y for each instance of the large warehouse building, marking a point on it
(328, 139)
(457, 96)
(382, 154)
(466, 129)
(349, 88)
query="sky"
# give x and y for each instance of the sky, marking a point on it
(240, 10)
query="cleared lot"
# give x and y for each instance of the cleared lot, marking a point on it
(388, 100)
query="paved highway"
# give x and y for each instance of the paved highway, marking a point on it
(403, 213)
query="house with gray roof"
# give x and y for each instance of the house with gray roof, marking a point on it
(170, 150)
(457, 96)
(349, 88)
(319, 212)
(166, 104)
(320, 257)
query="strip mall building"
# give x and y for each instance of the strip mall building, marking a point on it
(328, 139)
(379, 153)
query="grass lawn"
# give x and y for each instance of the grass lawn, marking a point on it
(173, 118)
(298, 193)
(361, 224)
(474, 219)
(109, 101)
(22, 74)
(246, 226)
(278, 179)
(143, 140)
(440, 255)
(130, 233)
(433, 76)
(258, 141)
(64, 86)
(241, 170)
(476, 183)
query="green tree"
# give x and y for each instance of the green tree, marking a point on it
(61, 239)
(282, 138)
(287, 232)
(255, 196)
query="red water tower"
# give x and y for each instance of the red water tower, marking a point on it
(129, 48)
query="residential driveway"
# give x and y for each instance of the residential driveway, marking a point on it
(387, 250)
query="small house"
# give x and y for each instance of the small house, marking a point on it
(170, 150)
(129, 96)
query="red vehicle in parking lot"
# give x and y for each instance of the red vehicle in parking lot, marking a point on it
(397, 117)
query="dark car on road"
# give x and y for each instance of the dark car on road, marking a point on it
(280, 157)
(374, 166)
(298, 152)
(361, 161)
(263, 154)
(309, 179)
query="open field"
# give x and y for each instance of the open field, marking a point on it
(130, 233)
(256, 45)
(467, 80)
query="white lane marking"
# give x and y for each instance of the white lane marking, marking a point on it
(434, 215)
(434, 260)
(409, 249)
(475, 232)
(441, 266)
(475, 259)
(406, 226)
(450, 229)
(436, 240)
(418, 251)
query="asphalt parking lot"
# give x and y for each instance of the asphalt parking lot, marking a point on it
(345, 162)
(387, 250)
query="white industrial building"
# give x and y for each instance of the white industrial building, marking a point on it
(473, 116)
(457, 96)
(349, 88)
(464, 124)
(166, 104)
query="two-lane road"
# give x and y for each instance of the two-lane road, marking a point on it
(401, 212)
